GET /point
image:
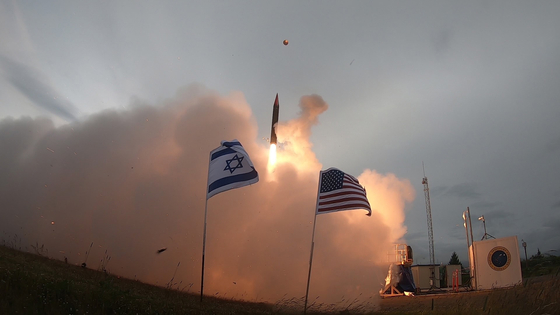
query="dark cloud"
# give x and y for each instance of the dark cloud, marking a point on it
(35, 86)
(552, 223)
(441, 41)
(484, 205)
(548, 230)
(501, 215)
(464, 190)
(438, 190)
(553, 145)
(499, 223)
(416, 236)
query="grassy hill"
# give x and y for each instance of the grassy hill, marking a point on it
(33, 284)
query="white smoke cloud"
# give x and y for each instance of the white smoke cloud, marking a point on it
(133, 182)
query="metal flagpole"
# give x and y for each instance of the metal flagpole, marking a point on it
(203, 251)
(310, 264)
(466, 224)
(472, 250)
(204, 233)
(312, 246)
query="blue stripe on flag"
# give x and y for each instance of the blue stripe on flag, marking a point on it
(222, 152)
(231, 143)
(232, 179)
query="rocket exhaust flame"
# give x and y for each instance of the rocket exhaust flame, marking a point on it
(272, 156)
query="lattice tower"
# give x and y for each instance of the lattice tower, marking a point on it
(429, 219)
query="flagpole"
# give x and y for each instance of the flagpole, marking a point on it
(204, 230)
(310, 264)
(312, 246)
(203, 251)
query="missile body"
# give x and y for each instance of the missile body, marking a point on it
(275, 110)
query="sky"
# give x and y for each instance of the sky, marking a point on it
(109, 110)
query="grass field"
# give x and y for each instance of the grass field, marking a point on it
(33, 284)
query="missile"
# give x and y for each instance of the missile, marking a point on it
(275, 109)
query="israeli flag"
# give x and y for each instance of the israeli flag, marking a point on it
(230, 167)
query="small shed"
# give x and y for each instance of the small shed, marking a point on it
(422, 273)
(496, 263)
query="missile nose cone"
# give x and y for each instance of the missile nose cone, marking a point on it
(276, 100)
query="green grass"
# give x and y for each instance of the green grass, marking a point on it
(32, 284)
(35, 284)
(540, 266)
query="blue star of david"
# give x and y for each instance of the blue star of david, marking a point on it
(239, 165)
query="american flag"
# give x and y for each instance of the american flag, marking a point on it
(339, 191)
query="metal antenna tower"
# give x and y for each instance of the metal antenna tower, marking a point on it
(430, 228)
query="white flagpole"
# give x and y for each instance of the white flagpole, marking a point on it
(204, 233)
(312, 246)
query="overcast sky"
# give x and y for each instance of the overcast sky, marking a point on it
(470, 90)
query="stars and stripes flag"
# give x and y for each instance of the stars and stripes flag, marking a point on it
(230, 167)
(339, 191)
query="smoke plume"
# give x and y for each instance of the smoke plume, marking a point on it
(133, 182)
